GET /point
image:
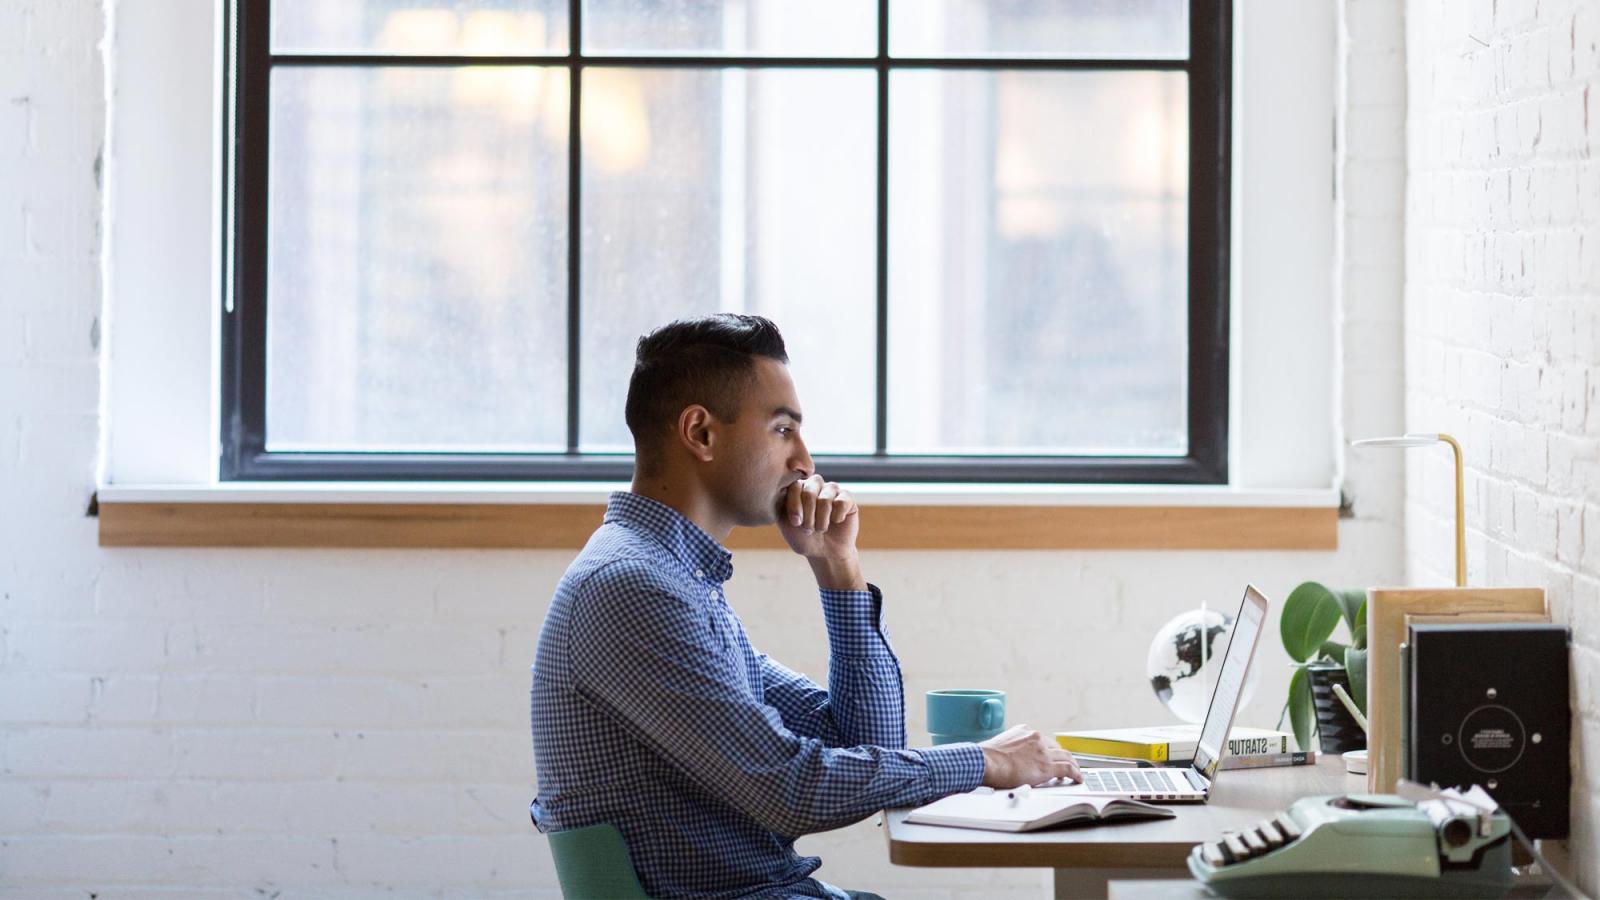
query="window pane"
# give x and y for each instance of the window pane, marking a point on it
(483, 27)
(417, 259)
(732, 191)
(732, 27)
(1038, 266)
(1053, 28)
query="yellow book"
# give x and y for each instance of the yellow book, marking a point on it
(1161, 743)
(1079, 743)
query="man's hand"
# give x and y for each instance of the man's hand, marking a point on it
(1021, 755)
(819, 520)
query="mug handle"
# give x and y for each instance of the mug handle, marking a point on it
(991, 714)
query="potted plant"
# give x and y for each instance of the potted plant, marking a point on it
(1310, 615)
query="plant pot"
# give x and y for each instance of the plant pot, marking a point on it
(1337, 730)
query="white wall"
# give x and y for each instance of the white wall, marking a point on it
(197, 723)
(1502, 325)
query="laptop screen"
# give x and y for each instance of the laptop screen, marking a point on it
(1235, 665)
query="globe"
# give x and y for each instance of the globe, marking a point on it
(1185, 658)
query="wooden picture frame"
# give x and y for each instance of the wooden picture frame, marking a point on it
(1387, 609)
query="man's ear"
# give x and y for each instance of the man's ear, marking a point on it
(697, 432)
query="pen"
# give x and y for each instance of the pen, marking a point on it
(1350, 705)
(1018, 793)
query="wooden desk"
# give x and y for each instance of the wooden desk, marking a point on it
(1086, 859)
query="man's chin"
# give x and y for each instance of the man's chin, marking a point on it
(762, 519)
(779, 507)
(759, 518)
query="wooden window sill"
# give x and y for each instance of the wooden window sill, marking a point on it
(899, 518)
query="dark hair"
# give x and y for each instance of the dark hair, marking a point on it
(709, 361)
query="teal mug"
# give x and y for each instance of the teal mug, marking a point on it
(965, 715)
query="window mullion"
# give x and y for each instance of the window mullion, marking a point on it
(881, 430)
(574, 217)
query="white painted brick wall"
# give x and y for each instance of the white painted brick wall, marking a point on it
(186, 724)
(1369, 273)
(1502, 333)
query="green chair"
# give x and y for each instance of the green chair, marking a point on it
(592, 864)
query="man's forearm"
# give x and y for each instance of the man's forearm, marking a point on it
(867, 696)
(838, 574)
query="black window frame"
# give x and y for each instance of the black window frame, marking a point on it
(248, 61)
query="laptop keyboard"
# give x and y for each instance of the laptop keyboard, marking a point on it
(1131, 781)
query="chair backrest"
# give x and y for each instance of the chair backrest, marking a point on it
(592, 864)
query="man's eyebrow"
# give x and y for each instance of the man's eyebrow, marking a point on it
(786, 411)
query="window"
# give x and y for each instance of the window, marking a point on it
(994, 232)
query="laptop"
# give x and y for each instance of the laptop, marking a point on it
(1192, 783)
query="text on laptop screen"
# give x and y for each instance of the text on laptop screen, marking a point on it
(1230, 683)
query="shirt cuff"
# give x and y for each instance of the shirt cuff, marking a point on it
(854, 622)
(954, 768)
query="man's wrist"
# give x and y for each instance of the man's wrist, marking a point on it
(954, 768)
(838, 574)
(991, 758)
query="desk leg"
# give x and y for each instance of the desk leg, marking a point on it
(1092, 884)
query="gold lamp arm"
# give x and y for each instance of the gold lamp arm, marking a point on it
(1461, 519)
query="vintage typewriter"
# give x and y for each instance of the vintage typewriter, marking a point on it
(1366, 845)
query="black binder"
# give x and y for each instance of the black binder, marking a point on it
(1489, 705)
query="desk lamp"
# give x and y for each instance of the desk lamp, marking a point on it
(1428, 440)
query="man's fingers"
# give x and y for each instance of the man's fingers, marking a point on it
(1075, 769)
(1061, 761)
(843, 506)
(813, 505)
(801, 501)
(809, 489)
(824, 516)
(826, 500)
(792, 504)
(1060, 764)
(1066, 769)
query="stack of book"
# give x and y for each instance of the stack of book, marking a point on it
(1248, 748)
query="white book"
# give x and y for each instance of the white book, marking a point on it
(1027, 810)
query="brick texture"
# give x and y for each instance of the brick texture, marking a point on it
(1502, 326)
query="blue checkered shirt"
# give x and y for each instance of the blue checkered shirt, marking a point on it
(652, 711)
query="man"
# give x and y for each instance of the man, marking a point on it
(651, 710)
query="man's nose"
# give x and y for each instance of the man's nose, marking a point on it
(801, 461)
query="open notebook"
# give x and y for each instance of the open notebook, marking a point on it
(1028, 810)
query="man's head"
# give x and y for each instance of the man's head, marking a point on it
(711, 399)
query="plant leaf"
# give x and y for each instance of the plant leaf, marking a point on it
(1350, 603)
(1309, 616)
(1358, 634)
(1355, 665)
(1333, 650)
(1301, 717)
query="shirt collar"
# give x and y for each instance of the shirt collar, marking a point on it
(685, 540)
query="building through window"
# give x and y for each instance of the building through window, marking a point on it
(993, 232)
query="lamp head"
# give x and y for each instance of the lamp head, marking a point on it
(1415, 439)
(1408, 440)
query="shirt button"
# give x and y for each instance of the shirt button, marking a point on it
(699, 573)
